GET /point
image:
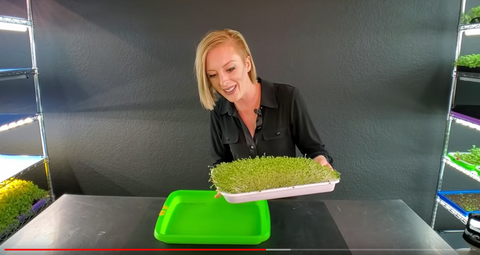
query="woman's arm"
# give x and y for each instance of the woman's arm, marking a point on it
(220, 151)
(304, 133)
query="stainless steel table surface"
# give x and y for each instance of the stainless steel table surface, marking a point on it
(306, 227)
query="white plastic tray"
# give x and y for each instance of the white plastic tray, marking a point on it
(308, 189)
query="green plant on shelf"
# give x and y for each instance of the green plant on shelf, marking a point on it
(472, 158)
(472, 16)
(16, 198)
(268, 172)
(472, 61)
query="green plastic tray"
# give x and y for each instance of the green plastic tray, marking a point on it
(197, 217)
(461, 163)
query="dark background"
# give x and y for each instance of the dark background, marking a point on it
(123, 116)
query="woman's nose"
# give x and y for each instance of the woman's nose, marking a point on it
(224, 81)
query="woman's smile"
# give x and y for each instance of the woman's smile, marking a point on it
(230, 90)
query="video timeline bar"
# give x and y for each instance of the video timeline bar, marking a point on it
(270, 249)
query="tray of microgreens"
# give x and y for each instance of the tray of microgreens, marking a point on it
(269, 177)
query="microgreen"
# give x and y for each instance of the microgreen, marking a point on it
(268, 172)
(16, 198)
(473, 157)
(469, 202)
(472, 16)
(472, 61)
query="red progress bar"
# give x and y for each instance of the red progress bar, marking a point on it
(135, 249)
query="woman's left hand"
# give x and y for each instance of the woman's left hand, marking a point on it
(323, 161)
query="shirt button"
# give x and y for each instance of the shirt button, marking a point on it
(259, 128)
(278, 133)
(252, 147)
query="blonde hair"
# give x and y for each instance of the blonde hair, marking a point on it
(212, 39)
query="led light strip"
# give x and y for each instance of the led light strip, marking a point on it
(466, 123)
(455, 213)
(13, 27)
(18, 123)
(470, 79)
(470, 174)
(14, 24)
(472, 32)
(467, 76)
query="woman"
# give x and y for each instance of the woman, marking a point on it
(250, 116)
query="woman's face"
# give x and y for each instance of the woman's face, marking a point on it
(228, 71)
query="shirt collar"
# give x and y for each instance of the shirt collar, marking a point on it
(268, 98)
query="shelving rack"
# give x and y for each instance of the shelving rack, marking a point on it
(459, 118)
(13, 166)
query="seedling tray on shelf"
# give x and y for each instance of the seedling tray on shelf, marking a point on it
(462, 163)
(468, 69)
(197, 217)
(443, 195)
(300, 190)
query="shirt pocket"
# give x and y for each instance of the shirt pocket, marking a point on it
(229, 138)
(274, 134)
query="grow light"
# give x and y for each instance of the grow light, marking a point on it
(11, 165)
(13, 27)
(466, 120)
(470, 79)
(14, 24)
(472, 32)
(5, 119)
(468, 124)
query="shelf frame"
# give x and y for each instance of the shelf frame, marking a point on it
(16, 73)
(452, 210)
(19, 73)
(451, 116)
(466, 27)
(20, 164)
(40, 120)
(15, 21)
(15, 24)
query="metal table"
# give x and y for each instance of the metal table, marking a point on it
(305, 227)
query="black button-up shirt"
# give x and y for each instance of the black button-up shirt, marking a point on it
(282, 123)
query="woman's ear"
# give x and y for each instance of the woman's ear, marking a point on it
(248, 64)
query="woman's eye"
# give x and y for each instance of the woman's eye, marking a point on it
(231, 69)
(211, 75)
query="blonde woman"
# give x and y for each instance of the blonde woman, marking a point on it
(250, 116)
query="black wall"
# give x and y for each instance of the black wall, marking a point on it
(123, 115)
